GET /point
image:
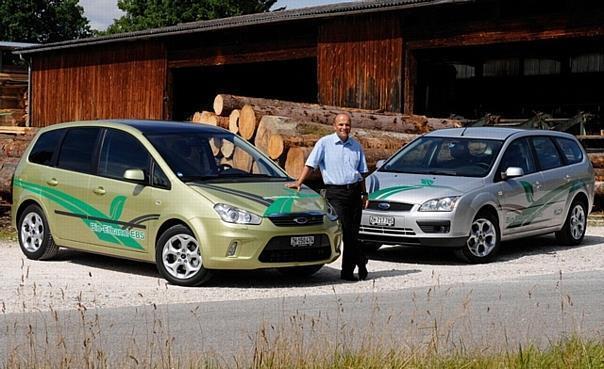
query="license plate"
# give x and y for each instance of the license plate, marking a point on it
(302, 241)
(377, 220)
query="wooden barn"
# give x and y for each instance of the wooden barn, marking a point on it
(432, 57)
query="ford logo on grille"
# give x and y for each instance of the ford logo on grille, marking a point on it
(301, 220)
(384, 205)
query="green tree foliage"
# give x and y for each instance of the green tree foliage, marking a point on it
(42, 21)
(145, 14)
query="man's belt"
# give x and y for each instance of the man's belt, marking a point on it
(344, 186)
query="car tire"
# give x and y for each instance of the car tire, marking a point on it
(301, 271)
(178, 257)
(573, 231)
(483, 240)
(370, 246)
(35, 239)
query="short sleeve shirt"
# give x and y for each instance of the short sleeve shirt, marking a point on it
(340, 162)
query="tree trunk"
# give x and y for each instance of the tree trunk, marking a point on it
(597, 159)
(227, 148)
(325, 114)
(242, 160)
(216, 145)
(234, 121)
(278, 143)
(295, 162)
(7, 169)
(248, 122)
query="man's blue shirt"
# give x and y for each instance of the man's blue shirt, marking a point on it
(340, 162)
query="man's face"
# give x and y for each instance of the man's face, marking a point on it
(342, 127)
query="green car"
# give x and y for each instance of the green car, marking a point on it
(189, 197)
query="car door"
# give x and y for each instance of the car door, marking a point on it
(517, 196)
(555, 188)
(126, 206)
(68, 184)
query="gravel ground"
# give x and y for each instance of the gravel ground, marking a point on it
(80, 280)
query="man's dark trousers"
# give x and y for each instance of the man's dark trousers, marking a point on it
(346, 200)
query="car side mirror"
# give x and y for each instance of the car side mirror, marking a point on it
(136, 175)
(379, 163)
(512, 172)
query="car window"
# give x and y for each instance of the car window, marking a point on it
(468, 157)
(518, 154)
(213, 156)
(120, 152)
(77, 149)
(547, 154)
(45, 147)
(570, 149)
(159, 177)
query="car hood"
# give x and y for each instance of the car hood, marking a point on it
(263, 198)
(417, 188)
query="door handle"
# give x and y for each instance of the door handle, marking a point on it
(567, 177)
(99, 190)
(538, 185)
(52, 182)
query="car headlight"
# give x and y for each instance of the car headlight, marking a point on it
(331, 213)
(231, 214)
(440, 204)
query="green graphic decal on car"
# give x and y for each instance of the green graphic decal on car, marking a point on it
(287, 202)
(291, 198)
(537, 207)
(390, 191)
(106, 228)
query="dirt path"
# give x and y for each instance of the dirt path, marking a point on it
(78, 279)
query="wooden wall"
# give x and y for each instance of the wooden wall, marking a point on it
(360, 61)
(116, 81)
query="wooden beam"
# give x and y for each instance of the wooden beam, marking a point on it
(500, 36)
(239, 54)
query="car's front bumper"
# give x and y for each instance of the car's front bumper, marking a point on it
(265, 245)
(431, 229)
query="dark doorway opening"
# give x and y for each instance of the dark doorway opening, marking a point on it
(194, 89)
(514, 81)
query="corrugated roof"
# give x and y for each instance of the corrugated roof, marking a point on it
(316, 12)
(10, 45)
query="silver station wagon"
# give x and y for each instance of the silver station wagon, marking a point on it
(471, 188)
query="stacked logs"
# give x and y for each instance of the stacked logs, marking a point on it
(286, 131)
(597, 160)
(13, 142)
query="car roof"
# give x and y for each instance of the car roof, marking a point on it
(146, 126)
(494, 133)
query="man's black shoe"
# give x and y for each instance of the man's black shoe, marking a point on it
(363, 272)
(348, 277)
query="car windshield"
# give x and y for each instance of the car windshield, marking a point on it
(453, 156)
(214, 156)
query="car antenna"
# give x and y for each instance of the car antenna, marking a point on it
(464, 131)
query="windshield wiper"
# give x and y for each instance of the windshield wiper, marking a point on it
(196, 178)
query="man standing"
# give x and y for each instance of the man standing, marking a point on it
(343, 168)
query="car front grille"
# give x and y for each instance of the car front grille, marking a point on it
(389, 206)
(297, 220)
(280, 250)
(387, 230)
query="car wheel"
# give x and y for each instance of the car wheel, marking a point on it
(178, 257)
(484, 240)
(573, 231)
(370, 246)
(35, 239)
(301, 271)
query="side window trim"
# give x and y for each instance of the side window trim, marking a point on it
(155, 166)
(55, 155)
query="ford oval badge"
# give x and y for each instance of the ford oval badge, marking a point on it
(384, 205)
(301, 220)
